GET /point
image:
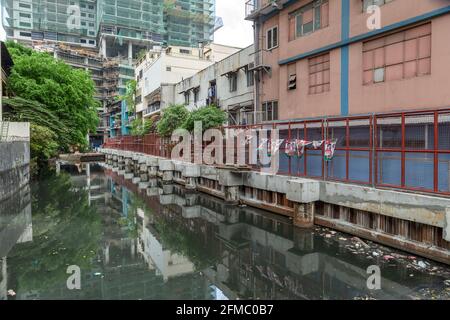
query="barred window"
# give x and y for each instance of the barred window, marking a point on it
(319, 74)
(401, 55)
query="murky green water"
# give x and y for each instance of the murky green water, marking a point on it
(164, 243)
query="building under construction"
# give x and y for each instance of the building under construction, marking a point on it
(106, 37)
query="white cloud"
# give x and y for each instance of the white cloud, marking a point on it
(236, 31)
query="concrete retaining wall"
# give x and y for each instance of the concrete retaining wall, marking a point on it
(14, 167)
(303, 196)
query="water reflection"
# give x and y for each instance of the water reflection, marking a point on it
(166, 243)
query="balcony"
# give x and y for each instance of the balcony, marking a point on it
(257, 8)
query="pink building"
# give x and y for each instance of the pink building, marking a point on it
(319, 58)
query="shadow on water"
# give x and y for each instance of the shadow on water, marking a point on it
(166, 243)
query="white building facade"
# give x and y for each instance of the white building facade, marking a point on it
(228, 84)
(159, 72)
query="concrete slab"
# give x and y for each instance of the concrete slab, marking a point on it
(166, 165)
(419, 208)
(191, 171)
(303, 190)
(229, 178)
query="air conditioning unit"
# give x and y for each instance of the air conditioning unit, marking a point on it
(251, 66)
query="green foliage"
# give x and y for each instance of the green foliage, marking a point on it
(140, 128)
(52, 95)
(172, 118)
(43, 146)
(209, 116)
(129, 96)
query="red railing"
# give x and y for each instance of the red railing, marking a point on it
(406, 150)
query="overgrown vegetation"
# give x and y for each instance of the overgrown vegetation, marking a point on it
(129, 96)
(178, 117)
(209, 116)
(56, 99)
(172, 118)
(140, 128)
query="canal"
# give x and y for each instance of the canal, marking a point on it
(167, 243)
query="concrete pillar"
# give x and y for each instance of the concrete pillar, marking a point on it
(232, 195)
(446, 234)
(103, 48)
(152, 171)
(167, 177)
(130, 51)
(144, 173)
(304, 215)
(191, 183)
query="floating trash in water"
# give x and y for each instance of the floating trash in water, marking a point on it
(11, 293)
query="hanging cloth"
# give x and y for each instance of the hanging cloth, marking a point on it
(330, 148)
(317, 144)
(301, 144)
(290, 148)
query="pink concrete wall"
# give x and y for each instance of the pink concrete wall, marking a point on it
(429, 91)
(392, 12)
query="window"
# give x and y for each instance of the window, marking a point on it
(24, 5)
(168, 69)
(185, 51)
(250, 78)
(368, 3)
(25, 34)
(401, 55)
(186, 97)
(292, 76)
(25, 24)
(232, 78)
(319, 74)
(270, 111)
(196, 92)
(307, 19)
(272, 38)
(24, 15)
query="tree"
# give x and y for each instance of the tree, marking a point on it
(140, 128)
(129, 96)
(172, 118)
(65, 92)
(209, 116)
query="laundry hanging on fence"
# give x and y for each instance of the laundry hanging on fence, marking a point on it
(317, 144)
(330, 148)
(290, 148)
(301, 144)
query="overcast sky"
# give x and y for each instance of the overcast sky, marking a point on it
(236, 31)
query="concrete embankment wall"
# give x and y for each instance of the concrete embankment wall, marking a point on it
(14, 159)
(412, 222)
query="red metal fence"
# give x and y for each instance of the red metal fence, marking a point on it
(406, 150)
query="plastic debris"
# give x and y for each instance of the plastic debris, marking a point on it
(11, 293)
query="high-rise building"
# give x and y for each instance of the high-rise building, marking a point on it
(113, 32)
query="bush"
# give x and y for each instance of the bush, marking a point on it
(141, 128)
(209, 116)
(172, 118)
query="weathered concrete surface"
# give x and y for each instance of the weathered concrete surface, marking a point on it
(166, 165)
(229, 178)
(424, 209)
(303, 190)
(14, 167)
(447, 225)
